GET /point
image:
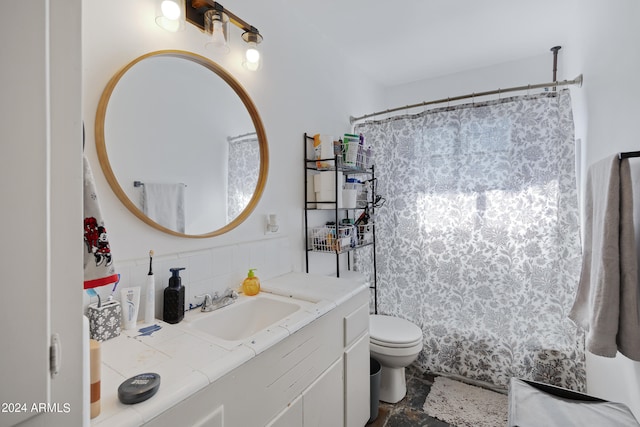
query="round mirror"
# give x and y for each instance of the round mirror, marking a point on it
(181, 144)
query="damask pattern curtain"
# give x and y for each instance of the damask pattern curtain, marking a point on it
(244, 156)
(478, 242)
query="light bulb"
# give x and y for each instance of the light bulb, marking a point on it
(170, 9)
(170, 15)
(253, 54)
(252, 57)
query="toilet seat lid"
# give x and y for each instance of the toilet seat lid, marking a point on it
(393, 330)
(385, 344)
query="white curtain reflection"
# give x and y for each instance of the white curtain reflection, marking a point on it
(244, 165)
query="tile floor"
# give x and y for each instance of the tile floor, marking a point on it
(408, 412)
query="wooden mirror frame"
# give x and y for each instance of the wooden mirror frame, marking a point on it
(246, 100)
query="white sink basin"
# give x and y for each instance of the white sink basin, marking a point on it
(245, 317)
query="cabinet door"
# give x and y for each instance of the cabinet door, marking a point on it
(356, 383)
(290, 417)
(323, 401)
(214, 419)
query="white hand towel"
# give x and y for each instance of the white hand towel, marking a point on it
(98, 262)
(164, 204)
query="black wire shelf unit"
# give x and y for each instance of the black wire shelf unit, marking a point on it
(347, 232)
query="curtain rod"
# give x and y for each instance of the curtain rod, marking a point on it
(576, 81)
(231, 138)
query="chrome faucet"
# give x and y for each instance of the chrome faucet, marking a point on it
(215, 302)
(207, 303)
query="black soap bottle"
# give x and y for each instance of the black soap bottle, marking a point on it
(173, 311)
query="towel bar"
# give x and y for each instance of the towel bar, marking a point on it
(628, 154)
(140, 184)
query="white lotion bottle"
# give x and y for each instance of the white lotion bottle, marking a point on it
(150, 294)
(130, 300)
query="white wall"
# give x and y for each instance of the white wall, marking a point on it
(601, 43)
(511, 73)
(303, 86)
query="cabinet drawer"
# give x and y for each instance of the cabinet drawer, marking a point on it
(355, 324)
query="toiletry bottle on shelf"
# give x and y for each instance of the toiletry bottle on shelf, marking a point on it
(251, 285)
(130, 300)
(150, 294)
(95, 373)
(173, 311)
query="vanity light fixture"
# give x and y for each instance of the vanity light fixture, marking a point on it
(252, 54)
(170, 14)
(213, 19)
(217, 25)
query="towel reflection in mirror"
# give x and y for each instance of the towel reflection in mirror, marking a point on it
(164, 204)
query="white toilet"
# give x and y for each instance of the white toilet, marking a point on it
(395, 343)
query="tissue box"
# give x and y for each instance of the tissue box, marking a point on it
(104, 321)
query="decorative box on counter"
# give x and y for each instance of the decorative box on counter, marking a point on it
(104, 320)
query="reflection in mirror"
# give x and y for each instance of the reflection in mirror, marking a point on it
(186, 131)
(243, 156)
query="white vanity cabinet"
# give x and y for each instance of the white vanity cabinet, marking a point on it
(290, 416)
(314, 377)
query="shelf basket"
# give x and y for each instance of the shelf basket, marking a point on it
(324, 239)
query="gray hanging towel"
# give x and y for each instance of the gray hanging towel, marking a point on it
(606, 304)
(98, 262)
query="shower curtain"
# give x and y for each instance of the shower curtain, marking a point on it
(478, 242)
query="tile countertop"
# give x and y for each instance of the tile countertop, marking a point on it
(188, 360)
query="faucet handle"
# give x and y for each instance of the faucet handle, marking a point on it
(207, 300)
(231, 293)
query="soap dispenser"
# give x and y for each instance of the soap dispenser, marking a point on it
(173, 311)
(251, 285)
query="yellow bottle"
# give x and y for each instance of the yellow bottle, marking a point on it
(251, 285)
